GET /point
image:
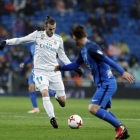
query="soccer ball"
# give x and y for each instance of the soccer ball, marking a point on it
(75, 122)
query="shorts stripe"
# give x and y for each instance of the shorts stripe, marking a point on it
(104, 94)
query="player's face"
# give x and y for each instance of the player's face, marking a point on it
(50, 29)
(79, 45)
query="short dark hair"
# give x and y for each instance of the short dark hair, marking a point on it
(49, 20)
(79, 31)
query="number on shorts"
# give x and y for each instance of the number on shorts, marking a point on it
(39, 79)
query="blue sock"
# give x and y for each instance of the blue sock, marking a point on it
(33, 99)
(112, 114)
(51, 93)
(104, 115)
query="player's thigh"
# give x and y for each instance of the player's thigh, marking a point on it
(103, 95)
(41, 82)
(56, 84)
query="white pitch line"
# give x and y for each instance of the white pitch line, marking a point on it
(130, 119)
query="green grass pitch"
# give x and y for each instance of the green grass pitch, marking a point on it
(17, 124)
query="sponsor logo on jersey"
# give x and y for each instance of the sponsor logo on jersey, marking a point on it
(48, 47)
(99, 52)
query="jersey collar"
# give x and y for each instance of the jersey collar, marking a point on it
(47, 35)
(86, 43)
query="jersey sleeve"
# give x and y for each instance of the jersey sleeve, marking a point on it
(61, 54)
(29, 59)
(72, 66)
(95, 52)
(27, 39)
(113, 65)
(79, 59)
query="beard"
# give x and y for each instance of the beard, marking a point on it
(49, 34)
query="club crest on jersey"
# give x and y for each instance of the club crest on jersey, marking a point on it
(85, 55)
(42, 36)
(55, 42)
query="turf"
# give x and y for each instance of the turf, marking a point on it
(17, 124)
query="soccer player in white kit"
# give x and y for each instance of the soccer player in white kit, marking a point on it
(47, 45)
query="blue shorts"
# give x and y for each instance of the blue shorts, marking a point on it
(30, 80)
(103, 95)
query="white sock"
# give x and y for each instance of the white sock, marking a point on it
(48, 106)
(36, 108)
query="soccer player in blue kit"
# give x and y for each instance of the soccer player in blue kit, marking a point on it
(31, 83)
(99, 64)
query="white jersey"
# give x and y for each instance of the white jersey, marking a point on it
(45, 49)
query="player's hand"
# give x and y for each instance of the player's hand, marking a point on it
(22, 65)
(57, 68)
(127, 76)
(79, 72)
(2, 45)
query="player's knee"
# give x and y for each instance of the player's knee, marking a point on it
(31, 88)
(93, 108)
(45, 93)
(62, 99)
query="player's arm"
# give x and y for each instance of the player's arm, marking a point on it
(28, 60)
(72, 66)
(61, 53)
(100, 56)
(62, 56)
(125, 75)
(15, 41)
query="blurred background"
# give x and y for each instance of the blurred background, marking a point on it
(112, 24)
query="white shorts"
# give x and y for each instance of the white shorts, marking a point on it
(49, 80)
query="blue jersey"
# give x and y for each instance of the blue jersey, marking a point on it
(32, 50)
(31, 57)
(28, 60)
(92, 56)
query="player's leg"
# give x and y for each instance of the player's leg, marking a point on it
(98, 104)
(32, 95)
(57, 85)
(103, 114)
(111, 114)
(61, 97)
(33, 99)
(42, 83)
(121, 131)
(48, 106)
